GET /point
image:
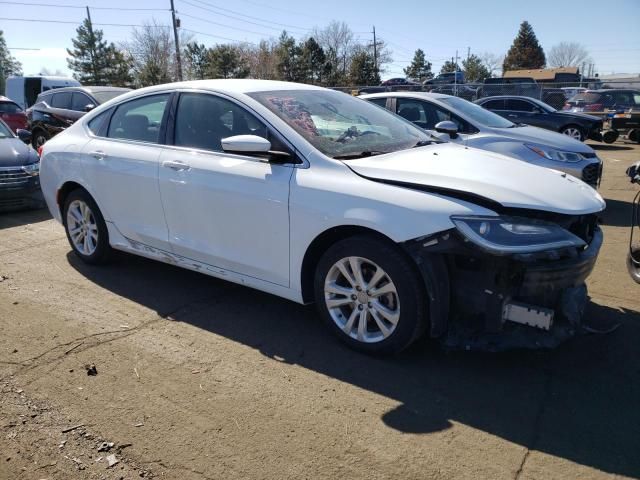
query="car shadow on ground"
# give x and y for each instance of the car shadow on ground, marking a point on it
(23, 217)
(609, 147)
(618, 213)
(578, 402)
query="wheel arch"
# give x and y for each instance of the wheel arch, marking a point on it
(320, 244)
(64, 191)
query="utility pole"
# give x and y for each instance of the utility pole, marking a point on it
(177, 42)
(96, 80)
(468, 53)
(375, 51)
(455, 75)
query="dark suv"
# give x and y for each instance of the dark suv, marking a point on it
(57, 109)
(620, 100)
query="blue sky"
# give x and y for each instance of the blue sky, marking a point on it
(439, 28)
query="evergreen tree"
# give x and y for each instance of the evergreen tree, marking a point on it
(313, 61)
(225, 61)
(474, 69)
(525, 52)
(197, 60)
(289, 53)
(8, 64)
(420, 68)
(94, 62)
(449, 67)
(363, 69)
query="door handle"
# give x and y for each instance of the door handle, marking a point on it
(174, 165)
(98, 155)
(512, 116)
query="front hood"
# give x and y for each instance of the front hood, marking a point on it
(543, 138)
(14, 153)
(470, 172)
(579, 116)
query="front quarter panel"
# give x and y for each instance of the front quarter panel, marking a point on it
(329, 194)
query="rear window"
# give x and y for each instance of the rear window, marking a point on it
(9, 107)
(586, 97)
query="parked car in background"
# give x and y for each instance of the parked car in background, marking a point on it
(463, 91)
(446, 78)
(315, 195)
(554, 97)
(400, 84)
(457, 120)
(12, 114)
(19, 171)
(25, 90)
(618, 100)
(509, 86)
(570, 92)
(534, 112)
(58, 109)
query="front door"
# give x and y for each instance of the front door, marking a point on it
(225, 210)
(122, 165)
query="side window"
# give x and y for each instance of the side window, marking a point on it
(623, 98)
(203, 120)
(636, 98)
(414, 111)
(96, 124)
(519, 105)
(61, 100)
(79, 101)
(9, 107)
(442, 115)
(494, 105)
(382, 102)
(139, 119)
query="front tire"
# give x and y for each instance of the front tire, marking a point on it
(573, 131)
(85, 227)
(371, 295)
(633, 263)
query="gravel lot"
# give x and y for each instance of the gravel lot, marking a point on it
(198, 378)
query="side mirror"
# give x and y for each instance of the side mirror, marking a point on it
(89, 107)
(24, 135)
(447, 127)
(246, 144)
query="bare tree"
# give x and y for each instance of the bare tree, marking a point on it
(568, 54)
(338, 37)
(492, 61)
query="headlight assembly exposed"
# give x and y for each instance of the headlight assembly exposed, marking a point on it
(557, 155)
(32, 169)
(507, 235)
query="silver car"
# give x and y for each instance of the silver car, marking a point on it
(457, 120)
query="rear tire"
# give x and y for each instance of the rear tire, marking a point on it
(573, 131)
(371, 295)
(85, 228)
(632, 266)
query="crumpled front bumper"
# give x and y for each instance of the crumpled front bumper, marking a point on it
(471, 291)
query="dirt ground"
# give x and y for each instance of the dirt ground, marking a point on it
(202, 379)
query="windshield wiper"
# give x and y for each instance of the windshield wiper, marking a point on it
(423, 143)
(352, 156)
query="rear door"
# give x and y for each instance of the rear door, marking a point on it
(121, 161)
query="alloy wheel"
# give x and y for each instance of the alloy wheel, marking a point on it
(362, 299)
(573, 132)
(82, 227)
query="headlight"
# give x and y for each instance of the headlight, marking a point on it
(505, 235)
(557, 155)
(32, 169)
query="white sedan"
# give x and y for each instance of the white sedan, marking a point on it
(314, 195)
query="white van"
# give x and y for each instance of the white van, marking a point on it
(25, 90)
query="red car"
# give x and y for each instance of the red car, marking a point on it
(12, 114)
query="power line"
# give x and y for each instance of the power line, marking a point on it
(182, 14)
(218, 36)
(69, 22)
(286, 25)
(77, 6)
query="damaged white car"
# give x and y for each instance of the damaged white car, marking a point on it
(316, 196)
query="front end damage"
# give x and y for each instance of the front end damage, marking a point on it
(494, 301)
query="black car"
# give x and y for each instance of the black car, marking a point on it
(618, 99)
(19, 171)
(57, 109)
(395, 84)
(523, 86)
(539, 114)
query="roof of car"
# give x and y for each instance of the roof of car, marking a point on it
(234, 85)
(88, 89)
(5, 99)
(434, 96)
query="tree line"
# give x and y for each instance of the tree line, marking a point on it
(330, 56)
